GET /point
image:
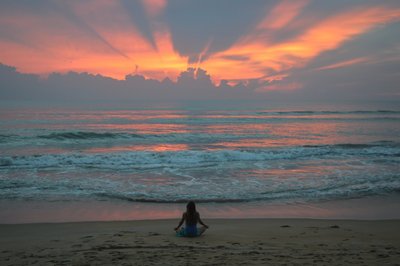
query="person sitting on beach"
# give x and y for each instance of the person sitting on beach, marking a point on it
(191, 217)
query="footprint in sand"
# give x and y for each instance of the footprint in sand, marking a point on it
(382, 256)
(86, 239)
(127, 232)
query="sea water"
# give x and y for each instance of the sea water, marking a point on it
(172, 155)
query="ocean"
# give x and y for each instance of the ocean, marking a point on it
(219, 156)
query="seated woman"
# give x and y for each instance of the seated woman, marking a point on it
(190, 217)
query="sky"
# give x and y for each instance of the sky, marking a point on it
(200, 49)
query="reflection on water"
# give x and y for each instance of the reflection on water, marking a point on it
(141, 128)
(148, 147)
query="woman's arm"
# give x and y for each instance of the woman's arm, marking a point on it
(200, 221)
(181, 222)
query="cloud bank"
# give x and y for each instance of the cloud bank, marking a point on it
(196, 84)
(192, 84)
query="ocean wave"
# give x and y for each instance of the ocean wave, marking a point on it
(281, 190)
(309, 112)
(4, 138)
(197, 158)
(323, 172)
(359, 190)
(271, 118)
(122, 138)
(83, 135)
(149, 199)
(383, 144)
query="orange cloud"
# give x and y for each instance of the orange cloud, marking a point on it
(47, 50)
(99, 37)
(153, 62)
(167, 62)
(158, 60)
(260, 58)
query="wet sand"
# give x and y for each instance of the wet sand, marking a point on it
(228, 241)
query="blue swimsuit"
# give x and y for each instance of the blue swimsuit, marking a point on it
(188, 230)
(191, 230)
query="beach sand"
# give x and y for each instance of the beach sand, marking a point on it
(227, 242)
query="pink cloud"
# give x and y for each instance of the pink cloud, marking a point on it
(264, 59)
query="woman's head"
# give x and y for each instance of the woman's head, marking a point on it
(191, 207)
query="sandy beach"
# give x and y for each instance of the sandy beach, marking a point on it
(228, 241)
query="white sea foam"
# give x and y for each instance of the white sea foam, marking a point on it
(193, 158)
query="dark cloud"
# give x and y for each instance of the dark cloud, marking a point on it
(196, 23)
(333, 86)
(192, 84)
(340, 85)
(139, 18)
(236, 57)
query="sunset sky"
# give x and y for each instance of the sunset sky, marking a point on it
(279, 45)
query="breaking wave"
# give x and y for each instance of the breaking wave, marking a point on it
(81, 135)
(197, 158)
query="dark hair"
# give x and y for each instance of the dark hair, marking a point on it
(191, 213)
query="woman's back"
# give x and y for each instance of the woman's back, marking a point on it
(191, 218)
